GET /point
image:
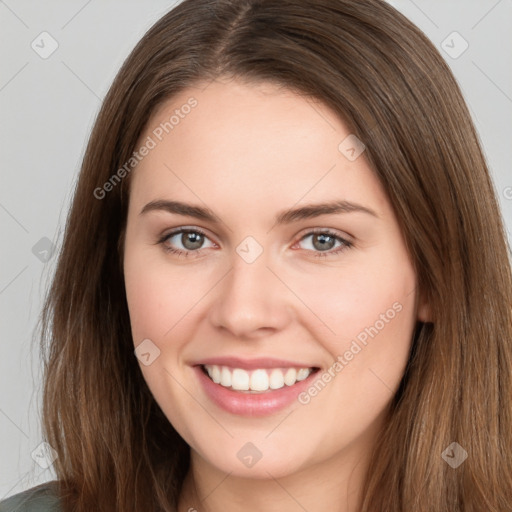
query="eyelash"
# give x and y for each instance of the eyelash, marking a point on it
(345, 244)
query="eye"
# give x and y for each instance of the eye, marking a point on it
(324, 240)
(190, 239)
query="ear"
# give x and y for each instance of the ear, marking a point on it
(423, 311)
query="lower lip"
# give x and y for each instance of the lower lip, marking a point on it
(252, 404)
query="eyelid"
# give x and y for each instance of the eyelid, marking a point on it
(330, 231)
(344, 238)
(183, 229)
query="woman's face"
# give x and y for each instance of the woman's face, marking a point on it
(303, 314)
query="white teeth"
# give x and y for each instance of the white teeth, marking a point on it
(259, 380)
(302, 373)
(215, 375)
(256, 380)
(291, 376)
(276, 379)
(240, 380)
(225, 377)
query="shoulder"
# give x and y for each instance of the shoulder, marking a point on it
(41, 498)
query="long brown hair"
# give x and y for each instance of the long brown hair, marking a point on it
(389, 84)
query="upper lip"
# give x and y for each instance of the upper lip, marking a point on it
(252, 364)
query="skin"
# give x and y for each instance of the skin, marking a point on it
(248, 152)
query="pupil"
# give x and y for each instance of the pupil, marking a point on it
(322, 238)
(189, 238)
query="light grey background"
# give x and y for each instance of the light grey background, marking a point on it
(48, 106)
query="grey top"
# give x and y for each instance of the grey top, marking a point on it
(36, 499)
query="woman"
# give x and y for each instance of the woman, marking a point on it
(284, 282)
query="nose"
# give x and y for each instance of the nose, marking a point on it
(252, 300)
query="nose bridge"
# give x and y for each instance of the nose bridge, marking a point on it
(251, 298)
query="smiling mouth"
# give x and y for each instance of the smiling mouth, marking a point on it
(261, 380)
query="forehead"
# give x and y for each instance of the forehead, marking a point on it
(247, 114)
(248, 141)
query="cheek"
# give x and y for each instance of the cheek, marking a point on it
(370, 319)
(346, 301)
(157, 295)
(158, 301)
(374, 325)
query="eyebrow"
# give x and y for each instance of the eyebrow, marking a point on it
(284, 217)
